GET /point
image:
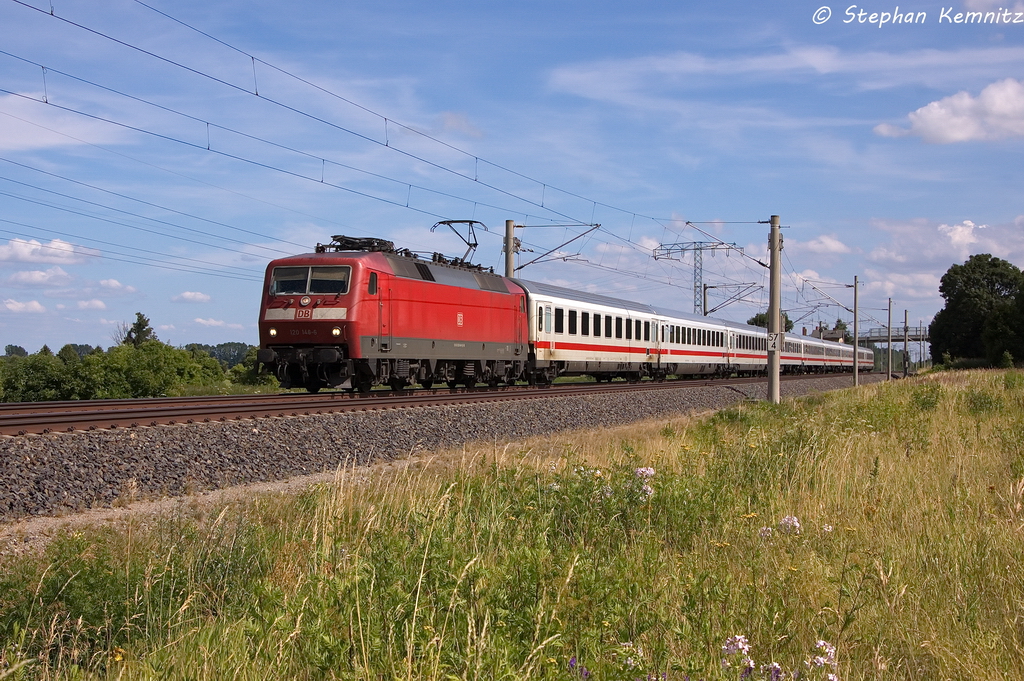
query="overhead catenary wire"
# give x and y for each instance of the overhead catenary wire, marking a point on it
(183, 176)
(209, 145)
(138, 260)
(477, 160)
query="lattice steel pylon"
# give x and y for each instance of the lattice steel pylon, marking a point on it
(666, 251)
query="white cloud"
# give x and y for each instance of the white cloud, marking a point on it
(17, 306)
(57, 251)
(996, 113)
(457, 122)
(826, 243)
(191, 297)
(166, 327)
(991, 5)
(912, 285)
(924, 245)
(884, 254)
(54, 276)
(624, 81)
(94, 304)
(115, 285)
(961, 235)
(33, 125)
(217, 322)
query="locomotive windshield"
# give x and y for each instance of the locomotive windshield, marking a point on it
(302, 280)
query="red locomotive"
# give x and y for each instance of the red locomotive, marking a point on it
(358, 313)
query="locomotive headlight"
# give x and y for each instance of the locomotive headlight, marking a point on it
(336, 331)
(273, 332)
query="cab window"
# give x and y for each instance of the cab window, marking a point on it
(289, 281)
(329, 280)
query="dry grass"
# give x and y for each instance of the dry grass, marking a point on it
(538, 559)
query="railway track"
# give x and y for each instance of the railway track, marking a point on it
(26, 418)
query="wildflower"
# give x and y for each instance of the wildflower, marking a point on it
(765, 532)
(772, 672)
(644, 473)
(736, 644)
(606, 491)
(828, 652)
(827, 528)
(647, 491)
(789, 525)
(554, 487)
(598, 473)
(580, 670)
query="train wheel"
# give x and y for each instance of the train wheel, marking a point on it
(313, 385)
(453, 385)
(426, 384)
(396, 383)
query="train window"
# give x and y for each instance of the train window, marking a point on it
(597, 325)
(663, 334)
(289, 281)
(618, 327)
(371, 288)
(572, 322)
(636, 327)
(522, 303)
(647, 331)
(547, 318)
(559, 320)
(585, 323)
(607, 326)
(540, 317)
(629, 330)
(329, 280)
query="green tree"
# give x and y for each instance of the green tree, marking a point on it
(15, 351)
(139, 332)
(69, 355)
(973, 292)
(761, 319)
(245, 372)
(228, 354)
(36, 378)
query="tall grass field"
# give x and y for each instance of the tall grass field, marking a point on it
(875, 533)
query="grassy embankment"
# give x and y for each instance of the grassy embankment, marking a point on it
(566, 559)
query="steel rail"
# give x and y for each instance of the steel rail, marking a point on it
(68, 416)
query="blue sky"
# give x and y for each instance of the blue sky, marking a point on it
(140, 171)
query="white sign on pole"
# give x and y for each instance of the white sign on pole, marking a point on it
(773, 342)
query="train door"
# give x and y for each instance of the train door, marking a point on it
(519, 313)
(384, 306)
(543, 327)
(656, 333)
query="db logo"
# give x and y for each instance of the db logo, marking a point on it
(459, 319)
(304, 314)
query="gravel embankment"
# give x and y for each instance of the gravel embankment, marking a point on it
(61, 473)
